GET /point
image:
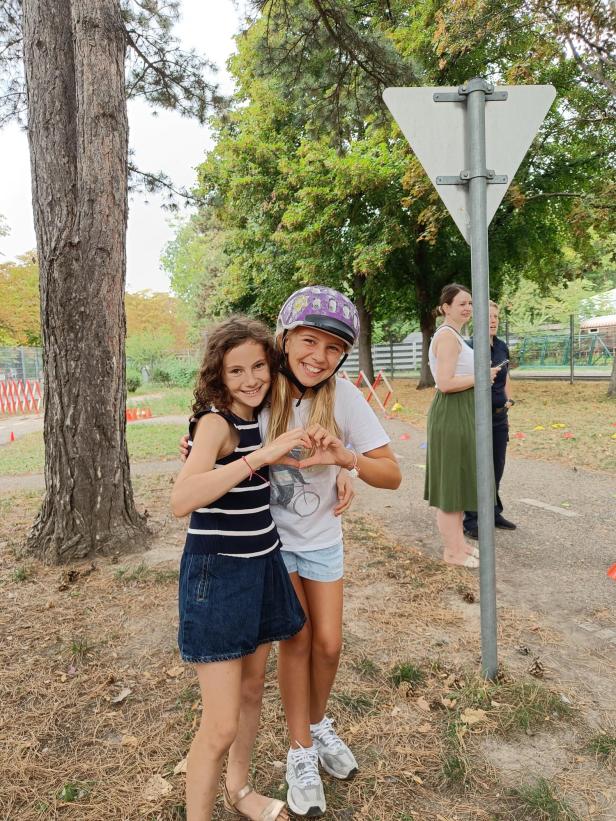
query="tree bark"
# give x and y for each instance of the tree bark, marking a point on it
(611, 391)
(365, 329)
(427, 324)
(78, 136)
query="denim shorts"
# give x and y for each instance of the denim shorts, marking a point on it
(229, 605)
(323, 565)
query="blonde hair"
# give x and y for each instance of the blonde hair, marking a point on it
(494, 305)
(281, 401)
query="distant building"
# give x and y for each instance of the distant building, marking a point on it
(603, 326)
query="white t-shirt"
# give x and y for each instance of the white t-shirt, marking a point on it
(302, 501)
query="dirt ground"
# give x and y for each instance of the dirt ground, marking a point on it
(98, 711)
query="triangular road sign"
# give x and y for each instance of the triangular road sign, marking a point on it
(437, 134)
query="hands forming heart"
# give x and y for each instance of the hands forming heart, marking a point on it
(327, 449)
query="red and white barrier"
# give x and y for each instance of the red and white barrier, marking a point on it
(20, 397)
(363, 381)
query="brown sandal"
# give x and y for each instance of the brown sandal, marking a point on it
(270, 813)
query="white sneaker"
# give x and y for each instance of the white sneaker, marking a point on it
(334, 755)
(305, 794)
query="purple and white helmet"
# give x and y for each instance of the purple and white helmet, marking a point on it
(317, 306)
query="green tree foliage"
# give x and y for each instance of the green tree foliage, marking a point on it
(196, 261)
(145, 350)
(20, 321)
(311, 180)
(530, 307)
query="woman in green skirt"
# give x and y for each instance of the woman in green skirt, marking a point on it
(451, 473)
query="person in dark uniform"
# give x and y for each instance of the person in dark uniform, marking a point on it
(501, 402)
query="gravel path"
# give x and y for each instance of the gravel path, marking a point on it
(555, 562)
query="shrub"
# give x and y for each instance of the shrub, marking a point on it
(161, 376)
(133, 380)
(177, 372)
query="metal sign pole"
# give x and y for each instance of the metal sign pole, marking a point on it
(472, 196)
(478, 180)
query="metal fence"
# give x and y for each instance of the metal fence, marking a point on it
(556, 350)
(394, 359)
(21, 364)
(550, 350)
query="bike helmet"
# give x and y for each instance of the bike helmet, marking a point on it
(317, 306)
(325, 309)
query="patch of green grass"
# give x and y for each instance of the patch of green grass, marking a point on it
(406, 672)
(80, 647)
(358, 705)
(27, 455)
(538, 802)
(455, 769)
(511, 707)
(24, 455)
(143, 574)
(516, 706)
(73, 791)
(21, 574)
(188, 695)
(154, 441)
(366, 668)
(603, 745)
(168, 401)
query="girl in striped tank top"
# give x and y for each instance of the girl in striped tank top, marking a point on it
(235, 594)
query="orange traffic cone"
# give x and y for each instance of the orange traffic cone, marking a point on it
(611, 572)
(12, 437)
(148, 413)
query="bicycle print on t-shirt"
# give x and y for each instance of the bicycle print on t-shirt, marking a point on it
(291, 489)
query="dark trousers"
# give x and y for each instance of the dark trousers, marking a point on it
(500, 437)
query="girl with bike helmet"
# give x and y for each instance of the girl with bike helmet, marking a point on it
(316, 329)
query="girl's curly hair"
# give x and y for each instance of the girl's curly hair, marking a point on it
(210, 389)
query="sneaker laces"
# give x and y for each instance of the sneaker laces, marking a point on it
(307, 768)
(327, 735)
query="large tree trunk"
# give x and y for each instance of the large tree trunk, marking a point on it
(78, 134)
(611, 391)
(365, 329)
(425, 307)
(427, 324)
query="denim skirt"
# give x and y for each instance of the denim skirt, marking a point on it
(231, 605)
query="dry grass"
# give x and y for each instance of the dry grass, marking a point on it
(96, 702)
(574, 424)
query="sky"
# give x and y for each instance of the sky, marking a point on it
(167, 142)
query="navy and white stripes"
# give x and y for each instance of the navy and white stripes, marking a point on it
(240, 522)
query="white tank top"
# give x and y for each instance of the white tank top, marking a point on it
(465, 366)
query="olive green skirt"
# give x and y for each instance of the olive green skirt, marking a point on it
(451, 468)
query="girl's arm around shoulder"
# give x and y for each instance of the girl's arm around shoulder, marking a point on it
(198, 483)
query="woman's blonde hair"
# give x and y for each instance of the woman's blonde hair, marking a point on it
(281, 401)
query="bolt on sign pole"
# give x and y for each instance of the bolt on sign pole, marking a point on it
(456, 137)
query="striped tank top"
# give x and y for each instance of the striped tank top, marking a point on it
(238, 523)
